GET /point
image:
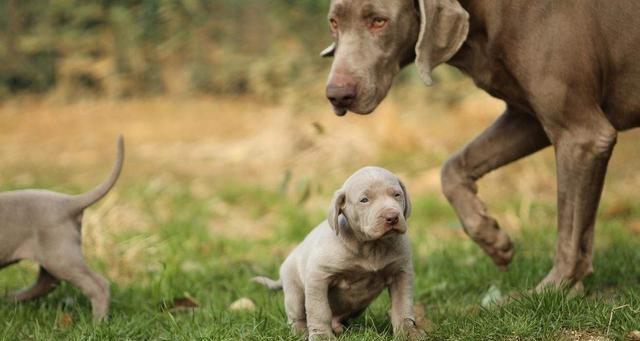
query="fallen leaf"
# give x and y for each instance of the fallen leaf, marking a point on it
(492, 297)
(65, 320)
(182, 303)
(243, 304)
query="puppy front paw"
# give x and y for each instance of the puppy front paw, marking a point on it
(299, 327)
(409, 331)
(321, 336)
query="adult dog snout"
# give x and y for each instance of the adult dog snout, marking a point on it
(342, 96)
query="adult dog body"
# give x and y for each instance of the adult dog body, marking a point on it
(569, 72)
(351, 257)
(45, 227)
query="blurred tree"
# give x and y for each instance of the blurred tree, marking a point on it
(122, 48)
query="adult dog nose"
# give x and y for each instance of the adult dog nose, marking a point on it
(391, 218)
(341, 96)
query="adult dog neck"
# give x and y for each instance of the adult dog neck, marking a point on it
(486, 55)
(478, 9)
(478, 35)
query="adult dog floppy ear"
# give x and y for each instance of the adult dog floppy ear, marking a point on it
(444, 26)
(328, 52)
(407, 201)
(335, 210)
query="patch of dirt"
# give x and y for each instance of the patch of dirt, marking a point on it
(579, 335)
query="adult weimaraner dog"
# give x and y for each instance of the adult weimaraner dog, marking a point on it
(350, 258)
(45, 227)
(569, 72)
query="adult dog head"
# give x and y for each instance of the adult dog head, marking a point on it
(374, 39)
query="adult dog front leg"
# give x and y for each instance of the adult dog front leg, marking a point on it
(511, 137)
(582, 155)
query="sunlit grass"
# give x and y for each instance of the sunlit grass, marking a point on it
(213, 193)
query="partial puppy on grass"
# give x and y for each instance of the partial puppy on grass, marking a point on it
(45, 227)
(350, 258)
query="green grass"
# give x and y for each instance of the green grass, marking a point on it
(453, 276)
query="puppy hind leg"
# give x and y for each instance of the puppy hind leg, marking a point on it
(336, 325)
(339, 323)
(43, 285)
(92, 285)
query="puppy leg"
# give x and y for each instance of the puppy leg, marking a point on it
(94, 286)
(293, 298)
(294, 307)
(316, 294)
(336, 325)
(402, 319)
(340, 322)
(43, 285)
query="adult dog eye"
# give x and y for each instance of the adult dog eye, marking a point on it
(364, 200)
(397, 195)
(334, 24)
(378, 23)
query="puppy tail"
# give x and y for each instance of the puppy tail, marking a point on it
(268, 282)
(85, 200)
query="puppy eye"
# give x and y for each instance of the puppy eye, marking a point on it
(334, 24)
(364, 200)
(397, 195)
(378, 23)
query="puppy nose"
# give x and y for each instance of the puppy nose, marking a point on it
(341, 96)
(391, 218)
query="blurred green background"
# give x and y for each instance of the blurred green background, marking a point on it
(146, 47)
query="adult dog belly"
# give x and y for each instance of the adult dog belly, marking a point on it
(351, 293)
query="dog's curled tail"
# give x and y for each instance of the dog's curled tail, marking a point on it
(85, 200)
(268, 282)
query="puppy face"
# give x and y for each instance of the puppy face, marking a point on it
(373, 203)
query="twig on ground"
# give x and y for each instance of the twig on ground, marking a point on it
(618, 308)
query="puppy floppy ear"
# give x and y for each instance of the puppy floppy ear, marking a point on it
(407, 200)
(335, 210)
(329, 51)
(444, 26)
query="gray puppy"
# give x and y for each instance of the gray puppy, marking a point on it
(350, 258)
(45, 227)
